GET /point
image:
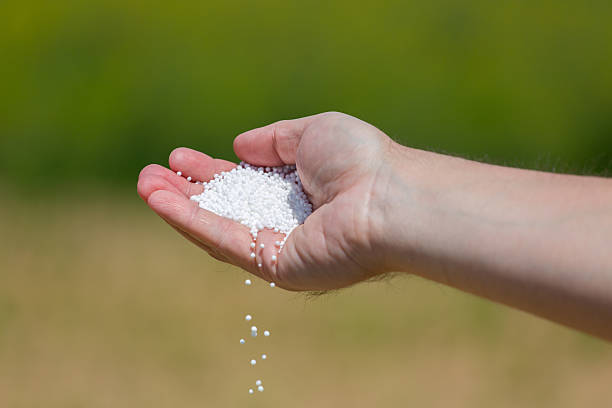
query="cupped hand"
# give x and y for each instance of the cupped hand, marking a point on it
(343, 164)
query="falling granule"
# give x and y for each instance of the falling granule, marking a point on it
(258, 198)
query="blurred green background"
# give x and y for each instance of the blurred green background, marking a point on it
(102, 305)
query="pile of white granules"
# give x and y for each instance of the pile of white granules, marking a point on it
(259, 198)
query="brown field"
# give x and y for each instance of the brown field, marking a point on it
(103, 305)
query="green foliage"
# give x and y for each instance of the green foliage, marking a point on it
(95, 90)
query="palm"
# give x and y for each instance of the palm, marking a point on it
(338, 158)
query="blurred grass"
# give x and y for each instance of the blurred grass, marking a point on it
(96, 90)
(102, 304)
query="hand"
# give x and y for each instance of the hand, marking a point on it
(535, 241)
(343, 165)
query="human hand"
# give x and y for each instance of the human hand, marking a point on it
(343, 165)
(535, 241)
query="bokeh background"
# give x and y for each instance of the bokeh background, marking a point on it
(103, 305)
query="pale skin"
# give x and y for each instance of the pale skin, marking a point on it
(536, 241)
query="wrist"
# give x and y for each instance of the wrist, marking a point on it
(417, 212)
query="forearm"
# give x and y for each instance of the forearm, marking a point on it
(536, 241)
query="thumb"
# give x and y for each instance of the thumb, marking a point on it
(272, 145)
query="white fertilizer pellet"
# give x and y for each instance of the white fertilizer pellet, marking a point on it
(258, 198)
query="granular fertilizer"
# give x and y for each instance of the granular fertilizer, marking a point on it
(258, 198)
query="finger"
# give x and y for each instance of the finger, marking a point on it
(272, 145)
(223, 235)
(197, 165)
(155, 177)
(197, 243)
(268, 255)
(289, 260)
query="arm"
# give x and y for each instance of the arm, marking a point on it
(536, 241)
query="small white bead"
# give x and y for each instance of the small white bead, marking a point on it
(189, 178)
(252, 254)
(250, 391)
(264, 356)
(266, 333)
(257, 198)
(261, 246)
(277, 243)
(258, 382)
(273, 258)
(253, 362)
(242, 341)
(259, 265)
(253, 328)
(248, 318)
(252, 245)
(260, 388)
(272, 284)
(179, 173)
